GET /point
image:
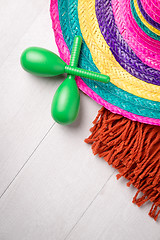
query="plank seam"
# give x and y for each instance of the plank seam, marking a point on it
(89, 205)
(25, 163)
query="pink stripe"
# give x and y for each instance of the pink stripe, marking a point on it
(65, 55)
(145, 47)
(152, 10)
(156, 4)
(155, 9)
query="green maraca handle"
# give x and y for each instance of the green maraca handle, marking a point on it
(76, 48)
(87, 74)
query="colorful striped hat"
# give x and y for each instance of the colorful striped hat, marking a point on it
(120, 39)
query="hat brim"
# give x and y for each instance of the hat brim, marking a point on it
(62, 38)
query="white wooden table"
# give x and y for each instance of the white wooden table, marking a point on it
(51, 186)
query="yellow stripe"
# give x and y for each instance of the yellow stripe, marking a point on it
(104, 59)
(153, 29)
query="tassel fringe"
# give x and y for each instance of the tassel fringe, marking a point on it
(132, 148)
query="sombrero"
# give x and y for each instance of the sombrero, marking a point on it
(120, 39)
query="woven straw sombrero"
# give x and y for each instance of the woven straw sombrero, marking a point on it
(120, 39)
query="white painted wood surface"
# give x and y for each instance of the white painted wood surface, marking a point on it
(51, 186)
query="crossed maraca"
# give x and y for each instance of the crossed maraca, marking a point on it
(66, 101)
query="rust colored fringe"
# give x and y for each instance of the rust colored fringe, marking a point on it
(134, 149)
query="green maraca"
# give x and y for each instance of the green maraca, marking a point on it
(66, 101)
(45, 63)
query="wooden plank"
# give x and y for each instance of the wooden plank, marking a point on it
(113, 216)
(57, 185)
(25, 102)
(15, 18)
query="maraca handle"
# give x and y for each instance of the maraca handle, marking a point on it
(76, 48)
(87, 74)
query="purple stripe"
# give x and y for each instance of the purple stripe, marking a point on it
(147, 17)
(120, 49)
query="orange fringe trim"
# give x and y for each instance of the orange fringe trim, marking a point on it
(134, 149)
